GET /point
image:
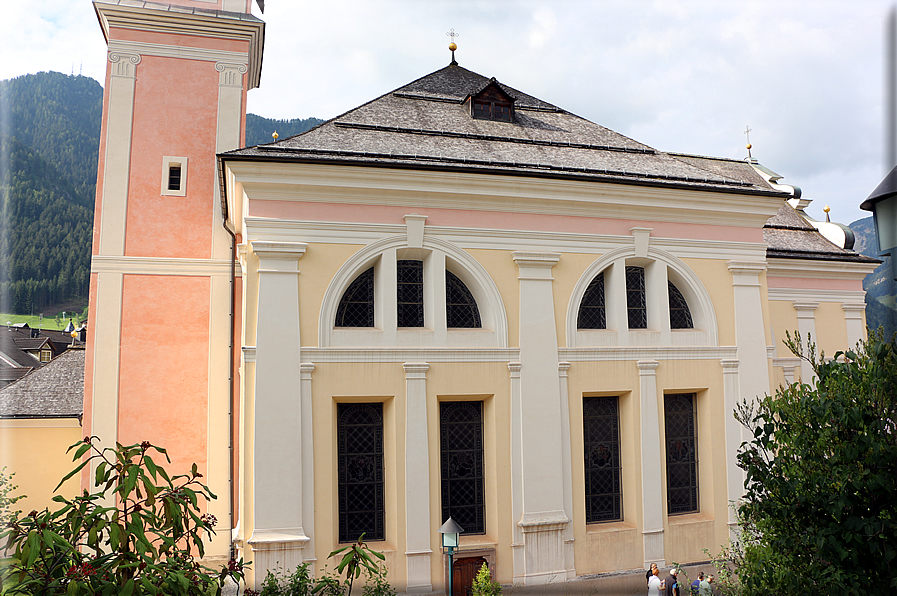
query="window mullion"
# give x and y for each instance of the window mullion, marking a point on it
(385, 278)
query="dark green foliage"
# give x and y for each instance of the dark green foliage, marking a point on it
(137, 534)
(820, 509)
(259, 129)
(48, 167)
(59, 117)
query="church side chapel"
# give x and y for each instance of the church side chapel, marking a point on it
(455, 300)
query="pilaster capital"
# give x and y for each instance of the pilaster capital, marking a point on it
(746, 273)
(305, 370)
(805, 308)
(853, 310)
(416, 370)
(647, 367)
(514, 369)
(730, 366)
(125, 64)
(248, 353)
(563, 369)
(535, 265)
(278, 257)
(231, 74)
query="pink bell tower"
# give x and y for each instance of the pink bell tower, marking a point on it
(160, 353)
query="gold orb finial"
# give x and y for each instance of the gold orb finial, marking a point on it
(274, 135)
(453, 46)
(826, 209)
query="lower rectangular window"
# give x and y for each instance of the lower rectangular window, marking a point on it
(359, 429)
(680, 423)
(601, 437)
(461, 454)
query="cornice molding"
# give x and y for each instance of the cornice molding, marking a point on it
(329, 232)
(636, 353)
(160, 266)
(237, 59)
(818, 269)
(407, 355)
(803, 295)
(419, 189)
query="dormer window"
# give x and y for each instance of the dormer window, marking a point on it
(492, 103)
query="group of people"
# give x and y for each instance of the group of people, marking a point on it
(671, 587)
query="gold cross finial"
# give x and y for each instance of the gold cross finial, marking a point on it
(747, 131)
(453, 46)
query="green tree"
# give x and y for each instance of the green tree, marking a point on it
(820, 509)
(484, 585)
(137, 534)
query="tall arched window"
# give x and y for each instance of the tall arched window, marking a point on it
(356, 307)
(591, 309)
(680, 316)
(460, 306)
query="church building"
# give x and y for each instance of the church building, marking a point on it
(456, 300)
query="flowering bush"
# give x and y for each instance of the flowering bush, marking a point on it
(137, 534)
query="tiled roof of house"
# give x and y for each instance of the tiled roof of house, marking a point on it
(788, 235)
(425, 124)
(55, 390)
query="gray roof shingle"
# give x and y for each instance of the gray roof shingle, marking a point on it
(56, 390)
(425, 124)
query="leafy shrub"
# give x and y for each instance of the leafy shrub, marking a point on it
(484, 585)
(136, 535)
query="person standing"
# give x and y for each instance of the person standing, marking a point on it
(650, 572)
(696, 585)
(705, 589)
(671, 584)
(654, 583)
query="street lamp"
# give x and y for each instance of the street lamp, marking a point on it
(883, 205)
(450, 531)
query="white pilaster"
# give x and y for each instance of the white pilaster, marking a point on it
(563, 374)
(308, 465)
(652, 454)
(543, 520)
(753, 366)
(856, 328)
(806, 325)
(517, 549)
(734, 474)
(279, 537)
(417, 486)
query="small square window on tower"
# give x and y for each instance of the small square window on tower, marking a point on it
(174, 176)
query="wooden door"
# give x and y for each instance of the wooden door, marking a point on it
(463, 573)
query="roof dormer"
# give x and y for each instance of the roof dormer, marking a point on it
(491, 103)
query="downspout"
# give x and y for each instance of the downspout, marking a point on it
(230, 379)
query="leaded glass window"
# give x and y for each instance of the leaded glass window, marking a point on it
(635, 298)
(356, 307)
(680, 316)
(460, 307)
(461, 451)
(601, 435)
(591, 309)
(682, 452)
(410, 294)
(359, 429)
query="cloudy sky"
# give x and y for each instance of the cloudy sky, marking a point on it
(685, 76)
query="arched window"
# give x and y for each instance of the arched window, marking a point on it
(636, 305)
(356, 307)
(460, 306)
(680, 316)
(591, 309)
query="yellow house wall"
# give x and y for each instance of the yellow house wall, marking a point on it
(35, 450)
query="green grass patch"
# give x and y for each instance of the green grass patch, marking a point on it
(35, 322)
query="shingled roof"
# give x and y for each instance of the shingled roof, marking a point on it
(788, 235)
(56, 390)
(425, 124)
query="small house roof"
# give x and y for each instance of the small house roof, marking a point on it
(55, 390)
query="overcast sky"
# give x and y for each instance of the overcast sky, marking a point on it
(683, 76)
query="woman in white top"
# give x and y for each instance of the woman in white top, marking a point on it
(655, 585)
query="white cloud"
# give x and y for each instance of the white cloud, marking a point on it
(544, 27)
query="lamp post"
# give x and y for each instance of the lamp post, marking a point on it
(450, 531)
(883, 205)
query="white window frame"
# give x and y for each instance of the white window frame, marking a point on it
(168, 162)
